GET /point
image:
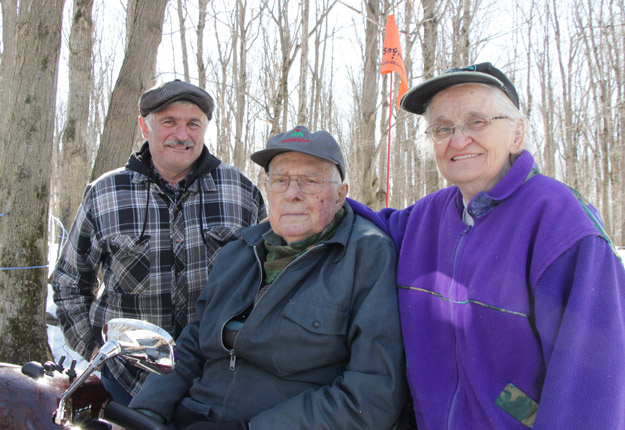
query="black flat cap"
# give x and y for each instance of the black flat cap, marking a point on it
(160, 96)
(320, 144)
(418, 97)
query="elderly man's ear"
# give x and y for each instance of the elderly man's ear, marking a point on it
(342, 193)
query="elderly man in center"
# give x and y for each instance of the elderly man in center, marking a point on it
(298, 325)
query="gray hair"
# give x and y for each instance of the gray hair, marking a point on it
(502, 105)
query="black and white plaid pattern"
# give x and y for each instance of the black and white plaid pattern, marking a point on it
(154, 274)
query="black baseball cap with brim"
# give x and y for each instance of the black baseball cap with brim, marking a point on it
(417, 98)
(320, 144)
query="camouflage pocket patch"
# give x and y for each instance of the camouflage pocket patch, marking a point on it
(516, 403)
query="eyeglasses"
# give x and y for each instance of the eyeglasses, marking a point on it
(306, 184)
(441, 133)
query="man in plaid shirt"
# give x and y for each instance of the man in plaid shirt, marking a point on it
(153, 228)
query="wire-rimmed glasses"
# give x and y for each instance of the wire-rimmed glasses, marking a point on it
(306, 184)
(441, 133)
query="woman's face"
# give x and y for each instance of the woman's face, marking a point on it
(473, 161)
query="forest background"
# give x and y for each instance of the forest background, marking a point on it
(72, 71)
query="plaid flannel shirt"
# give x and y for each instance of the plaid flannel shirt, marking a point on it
(155, 255)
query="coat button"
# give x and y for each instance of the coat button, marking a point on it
(316, 324)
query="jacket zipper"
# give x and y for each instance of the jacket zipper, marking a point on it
(233, 357)
(452, 306)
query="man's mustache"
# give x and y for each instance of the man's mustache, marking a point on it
(174, 142)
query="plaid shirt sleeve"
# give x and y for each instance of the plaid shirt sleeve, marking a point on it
(74, 281)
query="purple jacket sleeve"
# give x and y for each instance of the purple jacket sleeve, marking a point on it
(390, 221)
(580, 318)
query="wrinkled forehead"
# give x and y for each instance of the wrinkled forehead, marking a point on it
(461, 101)
(296, 163)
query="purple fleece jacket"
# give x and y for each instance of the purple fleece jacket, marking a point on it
(517, 321)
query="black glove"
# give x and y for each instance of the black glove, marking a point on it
(238, 425)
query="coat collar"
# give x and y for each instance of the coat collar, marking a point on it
(520, 171)
(253, 235)
(140, 162)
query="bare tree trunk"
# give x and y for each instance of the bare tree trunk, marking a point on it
(603, 59)
(383, 144)
(131, 13)
(136, 76)
(407, 188)
(302, 111)
(547, 103)
(617, 43)
(26, 145)
(201, 25)
(548, 111)
(223, 90)
(428, 47)
(600, 88)
(464, 40)
(321, 44)
(9, 32)
(366, 149)
(183, 40)
(383, 153)
(239, 74)
(280, 104)
(74, 157)
(570, 146)
(320, 107)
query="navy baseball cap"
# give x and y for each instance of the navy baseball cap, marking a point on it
(320, 144)
(417, 98)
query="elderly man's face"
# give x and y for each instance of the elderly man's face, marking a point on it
(176, 139)
(474, 161)
(295, 215)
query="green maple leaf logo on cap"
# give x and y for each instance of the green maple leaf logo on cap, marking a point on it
(297, 133)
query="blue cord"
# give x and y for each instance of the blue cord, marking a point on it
(27, 267)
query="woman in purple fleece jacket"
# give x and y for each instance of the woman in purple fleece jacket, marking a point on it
(511, 295)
